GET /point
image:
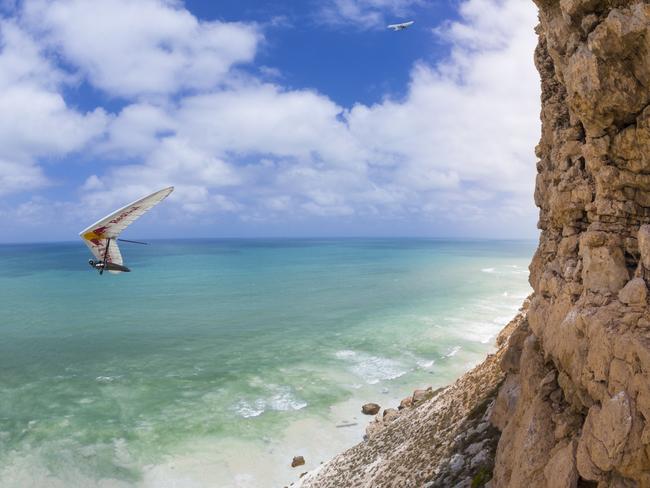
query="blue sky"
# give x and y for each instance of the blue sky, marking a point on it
(285, 118)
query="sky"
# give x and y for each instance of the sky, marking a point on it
(275, 119)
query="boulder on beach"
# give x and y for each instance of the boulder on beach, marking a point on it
(390, 414)
(297, 461)
(370, 409)
(419, 396)
(406, 403)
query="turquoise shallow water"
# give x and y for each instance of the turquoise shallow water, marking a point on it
(102, 378)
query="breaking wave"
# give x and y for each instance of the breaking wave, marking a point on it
(372, 369)
(282, 400)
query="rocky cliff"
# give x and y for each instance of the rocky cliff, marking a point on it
(568, 392)
(581, 397)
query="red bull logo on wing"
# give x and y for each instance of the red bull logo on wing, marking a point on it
(96, 235)
(123, 215)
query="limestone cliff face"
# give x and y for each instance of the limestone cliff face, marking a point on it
(575, 409)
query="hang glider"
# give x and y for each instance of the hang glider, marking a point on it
(402, 26)
(101, 237)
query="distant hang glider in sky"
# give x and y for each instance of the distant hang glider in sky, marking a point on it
(102, 236)
(402, 26)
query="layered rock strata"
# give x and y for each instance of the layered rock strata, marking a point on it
(580, 411)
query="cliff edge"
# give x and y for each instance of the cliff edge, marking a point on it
(565, 401)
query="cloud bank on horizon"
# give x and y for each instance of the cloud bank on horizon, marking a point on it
(156, 96)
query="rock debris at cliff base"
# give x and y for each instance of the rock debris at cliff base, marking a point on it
(438, 438)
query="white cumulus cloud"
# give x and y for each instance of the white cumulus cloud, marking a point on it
(365, 14)
(147, 47)
(34, 118)
(459, 145)
(456, 148)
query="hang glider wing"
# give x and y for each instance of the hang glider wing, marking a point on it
(114, 256)
(106, 230)
(402, 26)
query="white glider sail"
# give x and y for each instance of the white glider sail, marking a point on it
(104, 232)
(402, 26)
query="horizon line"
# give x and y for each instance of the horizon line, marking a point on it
(232, 238)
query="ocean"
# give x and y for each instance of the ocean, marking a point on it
(214, 362)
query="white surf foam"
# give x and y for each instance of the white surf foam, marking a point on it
(372, 369)
(106, 379)
(281, 399)
(247, 409)
(285, 401)
(452, 352)
(425, 364)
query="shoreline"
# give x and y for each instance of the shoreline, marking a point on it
(391, 402)
(445, 423)
(227, 463)
(320, 439)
